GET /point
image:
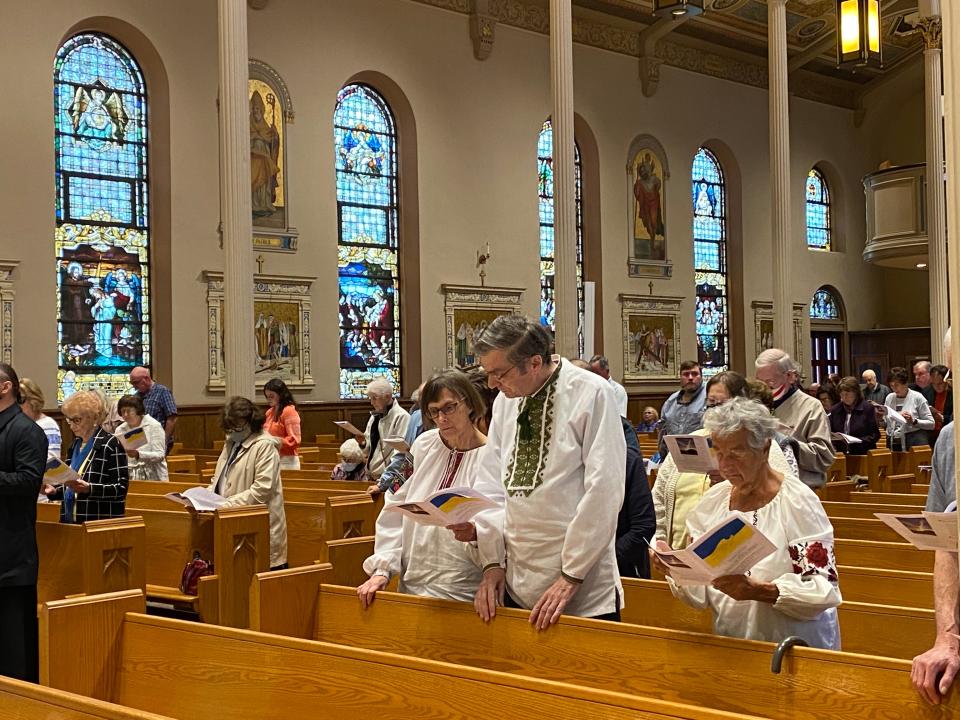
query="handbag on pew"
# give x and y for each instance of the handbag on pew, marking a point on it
(194, 570)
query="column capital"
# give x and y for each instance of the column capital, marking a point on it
(931, 28)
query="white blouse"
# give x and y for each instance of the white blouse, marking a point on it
(152, 463)
(429, 559)
(803, 568)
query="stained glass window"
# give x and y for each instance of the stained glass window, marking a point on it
(818, 212)
(365, 144)
(547, 274)
(824, 306)
(710, 263)
(102, 237)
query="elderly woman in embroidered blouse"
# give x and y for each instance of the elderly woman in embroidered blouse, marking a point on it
(430, 560)
(793, 591)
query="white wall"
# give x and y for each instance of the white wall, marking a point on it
(477, 125)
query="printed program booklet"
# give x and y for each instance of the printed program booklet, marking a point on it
(57, 472)
(133, 439)
(199, 498)
(445, 507)
(691, 453)
(926, 530)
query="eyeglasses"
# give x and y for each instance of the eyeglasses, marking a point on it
(500, 375)
(74, 420)
(447, 410)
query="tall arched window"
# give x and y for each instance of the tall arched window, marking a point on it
(102, 237)
(819, 229)
(710, 263)
(365, 141)
(547, 275)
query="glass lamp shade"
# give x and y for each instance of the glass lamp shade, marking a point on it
(677, 8)
(858, 33)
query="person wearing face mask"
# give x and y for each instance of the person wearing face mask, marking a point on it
(248, 470)
(800, 412)
(387, 419)
(353, 462)
(676, 494)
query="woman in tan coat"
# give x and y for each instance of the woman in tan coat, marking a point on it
(248, 470)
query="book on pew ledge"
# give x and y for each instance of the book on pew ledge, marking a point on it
(199, 498)
(445, 507)
(349, 427)
(397, 443)
(729, 548)
(843, 437)
(926, 530)
(133, 439)
(57, 472)
(691, 453)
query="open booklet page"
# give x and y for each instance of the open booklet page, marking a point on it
(199, 498)
(133, 439)
(843, 437)
(730, 548)
(58, 472)
(349, 427)
(445, 507)
(926, 530)
(691, 453)
(396, 443)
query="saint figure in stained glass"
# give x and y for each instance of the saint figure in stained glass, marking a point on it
(819, 231)
(710, 263)
(102, 235)
(824, 306)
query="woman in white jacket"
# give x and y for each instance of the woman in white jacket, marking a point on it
(443, 562)
(148, 462)
(248, 470)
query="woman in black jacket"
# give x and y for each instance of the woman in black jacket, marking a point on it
(856, 417)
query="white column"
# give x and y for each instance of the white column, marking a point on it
(951, 118)
(780, 175)
(564, 192)
(930, 27)
(235, 210)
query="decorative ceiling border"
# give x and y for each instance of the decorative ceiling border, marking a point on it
(689, 55)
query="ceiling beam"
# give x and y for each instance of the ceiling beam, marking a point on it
(649, 62)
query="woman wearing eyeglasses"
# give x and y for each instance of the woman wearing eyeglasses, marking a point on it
(98, 458)
(436, 561)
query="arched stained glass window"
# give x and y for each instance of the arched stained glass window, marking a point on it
(710, 263)
(547, 275)
(819, 232)
(102, 237)
(365, 144)
(824, 306)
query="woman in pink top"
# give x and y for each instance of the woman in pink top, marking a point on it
(283, 421)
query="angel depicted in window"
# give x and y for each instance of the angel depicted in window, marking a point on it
(98, 116)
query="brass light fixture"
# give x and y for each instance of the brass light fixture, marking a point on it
(858, 33)
(677, 8)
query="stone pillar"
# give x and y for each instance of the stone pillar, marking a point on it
(780, 176)
(564, 191)
(235, 210)
(930, 27)
(951, 117)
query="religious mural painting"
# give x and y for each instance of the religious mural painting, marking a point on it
(469, 310)
(281, 330)
(647, 174)
(365, 144)
(651, 337)
(271, 111)
(763, 329)
(547, 245)
(711, 310)
(102, 232)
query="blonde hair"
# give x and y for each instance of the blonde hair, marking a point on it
(85, 403)
(656, 415)
(32, 395)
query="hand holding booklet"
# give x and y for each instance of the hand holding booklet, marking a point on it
(133, 439)
(730, 548)
(843, 437)
(349, 427)
(691, 453)
(445, 507)
(926, 530)
(58, 472)
(199, 498)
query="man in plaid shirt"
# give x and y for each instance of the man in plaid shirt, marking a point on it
(157, 400)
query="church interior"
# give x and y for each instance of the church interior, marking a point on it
(331, 192)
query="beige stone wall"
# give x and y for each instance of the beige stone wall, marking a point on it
(476, 125)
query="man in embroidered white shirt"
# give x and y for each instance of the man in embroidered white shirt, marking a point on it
(556, 443)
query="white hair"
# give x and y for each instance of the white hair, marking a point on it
(775, 356)
(380, 387)
(741, 414)
(351, 452)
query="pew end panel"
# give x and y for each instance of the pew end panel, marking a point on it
(241, 550)
(284, 602)
(25, 701)
(347, 556)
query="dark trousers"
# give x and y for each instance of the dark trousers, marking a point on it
(509, 602)
(19, 633)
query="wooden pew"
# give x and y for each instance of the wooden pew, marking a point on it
(663, 663)
(27, 701)
(903, 588)
(838, 491)
(890, 498)
(920, 489)
(885, 555)
(864, 529)
(879, 466)
(181, 464)
(865, 509)
(838, 468)
(188, 671)
(865, 628)
(96, 557)
(917, 456)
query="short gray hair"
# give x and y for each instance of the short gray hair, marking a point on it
(521, 338)
(601, 361)
(924, 365)
(775, 356)
(380, 387)
(741, 414)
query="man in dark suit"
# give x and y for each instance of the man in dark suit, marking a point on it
(23, 455)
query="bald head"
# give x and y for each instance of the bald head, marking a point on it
(140, 379)
(869, 378)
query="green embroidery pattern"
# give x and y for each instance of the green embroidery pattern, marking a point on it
(531, 445)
